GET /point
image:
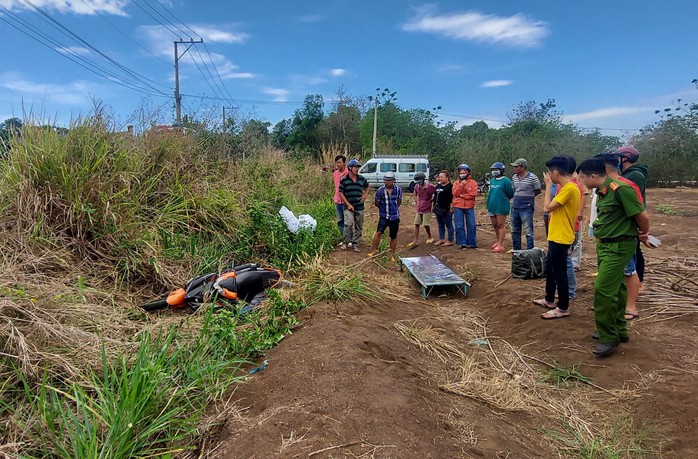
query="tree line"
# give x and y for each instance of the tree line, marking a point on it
(534, 131)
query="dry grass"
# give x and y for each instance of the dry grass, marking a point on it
(492, 371)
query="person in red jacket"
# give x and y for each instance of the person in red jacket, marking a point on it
(463, 208)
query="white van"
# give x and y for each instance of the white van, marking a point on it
(404, 167)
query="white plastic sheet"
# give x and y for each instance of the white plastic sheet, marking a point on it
(294, 223)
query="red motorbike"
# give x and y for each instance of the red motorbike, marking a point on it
(246, 282)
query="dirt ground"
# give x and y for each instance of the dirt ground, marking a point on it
(455, 377)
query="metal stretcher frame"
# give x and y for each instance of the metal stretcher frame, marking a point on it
(429, 272)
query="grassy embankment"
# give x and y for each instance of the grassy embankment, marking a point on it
(94, 223)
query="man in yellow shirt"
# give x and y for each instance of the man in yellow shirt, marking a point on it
(563, 209)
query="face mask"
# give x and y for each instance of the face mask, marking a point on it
(463, 176)
(496, 173)
(421, 182)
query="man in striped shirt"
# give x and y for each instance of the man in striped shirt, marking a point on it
(353, 190)
(388, 199)
(526, 187)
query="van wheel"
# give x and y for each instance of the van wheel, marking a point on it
(411, 187)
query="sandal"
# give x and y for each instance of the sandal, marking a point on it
(430, 240)
(545, 304)
(412, 245)
(631, 315)
(556, 313)
(447, 244)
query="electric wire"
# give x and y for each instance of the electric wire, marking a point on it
(59, 26)
(128, 37)
(177, 19)
(220, 92)
(184, 34)
(135, 2)
(218, 95)
(217, 73)
(37, 35)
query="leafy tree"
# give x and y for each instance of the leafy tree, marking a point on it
(281, 132)
(9, 128)
(304, 134)
(341, 126)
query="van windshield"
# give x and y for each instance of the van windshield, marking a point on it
(368, 168)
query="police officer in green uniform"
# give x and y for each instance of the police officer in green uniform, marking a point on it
(621, 221)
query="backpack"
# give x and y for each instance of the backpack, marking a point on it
(528, 264)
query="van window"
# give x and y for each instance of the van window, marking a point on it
(369, 168)
(388, 167)
(421, 167)
(406, 167)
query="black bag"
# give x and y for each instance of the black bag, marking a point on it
(440, 211)
(528, 264)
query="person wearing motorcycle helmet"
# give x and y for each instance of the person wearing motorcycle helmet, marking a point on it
(423, 196)
(463, 207)
(498, 204)
(636, 173)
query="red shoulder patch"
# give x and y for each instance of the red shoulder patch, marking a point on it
(614, 186)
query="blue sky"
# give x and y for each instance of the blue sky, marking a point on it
(608, 64)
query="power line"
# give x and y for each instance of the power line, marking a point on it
(135, 2)
(128, 37)
(163, 17)
(56, 24)
(177, 19)
(216, 69)
(72, 56)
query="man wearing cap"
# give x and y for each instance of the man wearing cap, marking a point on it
(388, 199)
(526, 187)
(635, 271)
(353, 190)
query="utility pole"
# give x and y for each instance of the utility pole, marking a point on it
(375, 125)
(178, 97)
(386, 96)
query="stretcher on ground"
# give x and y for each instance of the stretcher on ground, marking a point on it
(430, 273)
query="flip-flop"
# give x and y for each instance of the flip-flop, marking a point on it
(554, 314)
(430, 240)
(412, 245)
(447, 244)
(545, 304)
(631, 316)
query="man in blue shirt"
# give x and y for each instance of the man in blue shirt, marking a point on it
(388, 199)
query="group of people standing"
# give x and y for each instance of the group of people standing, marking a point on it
(619, 222)
(453, 205)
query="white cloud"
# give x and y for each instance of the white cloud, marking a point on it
(74, 93)
(608, 112)
(308, 80)
(73, 50)
(160, 42)
(312, 18)
(515, 31)
(450, 68)
(226, 69)
(89, 7)
(338, 72)
(160, 39)
(280, 95)
(216, 35)
(496, 83)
